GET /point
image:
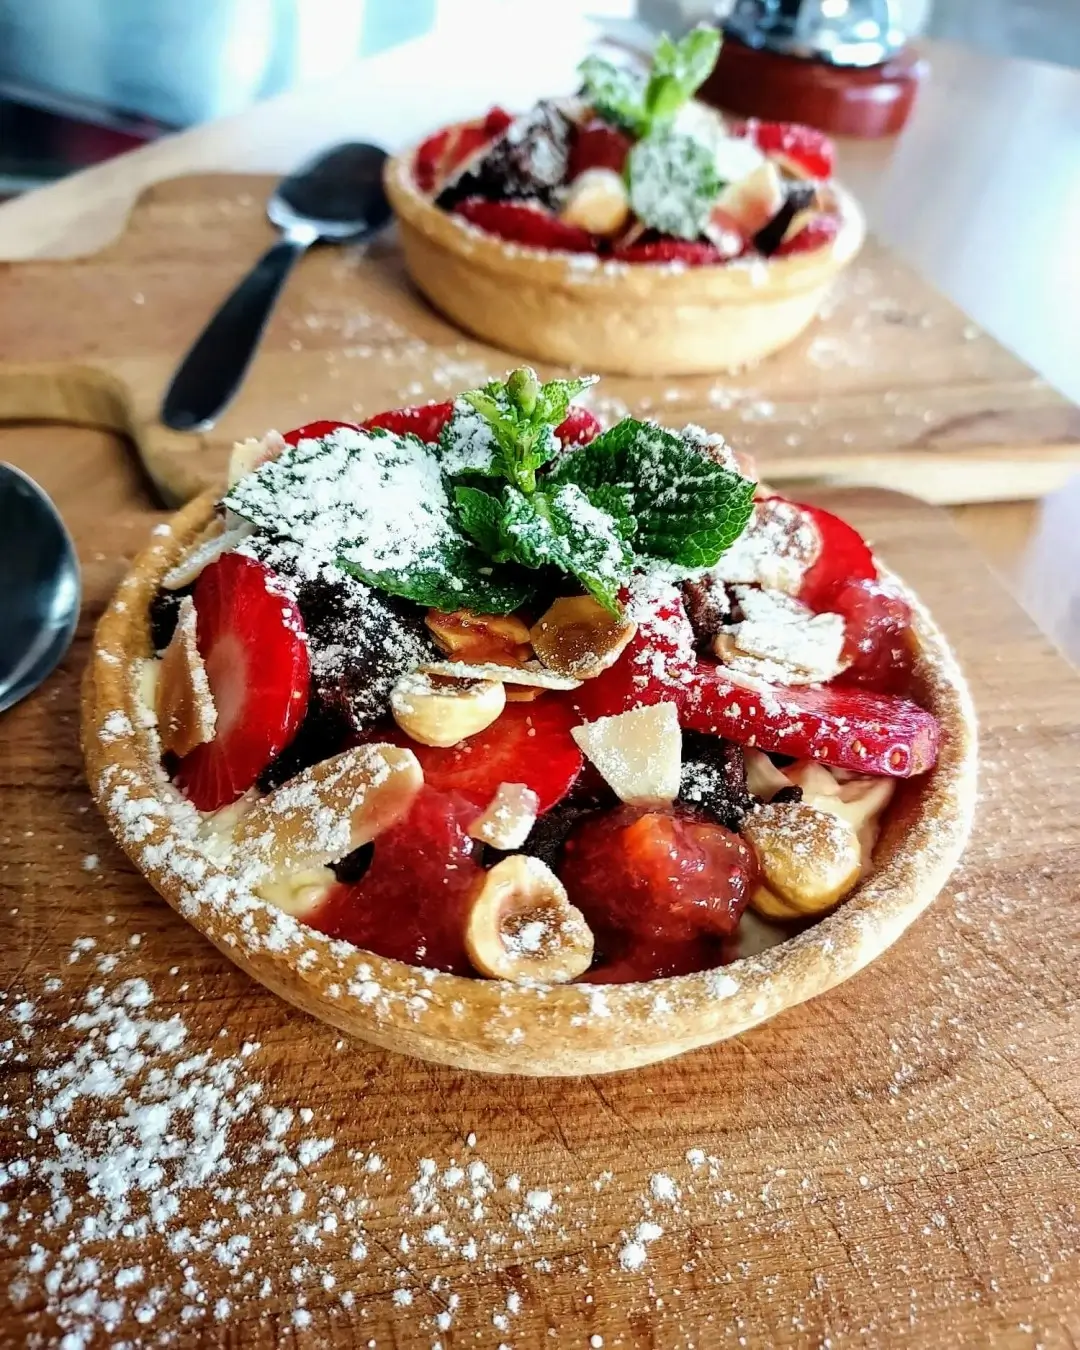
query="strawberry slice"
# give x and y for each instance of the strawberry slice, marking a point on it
(580, 428)
(805, 150)
(656, 666)
(691, 252)
(598, 146)
(845, 556)
(820, 231)
(446, 150)
(314, 431)
(530, 743)
(525, 223)
(425, 421)
(251, 639)
(877, 646)
(846, 728)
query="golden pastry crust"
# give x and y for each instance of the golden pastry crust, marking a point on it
(618, 318)
(486, 1024)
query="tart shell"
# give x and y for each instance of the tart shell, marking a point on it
(619, 318)
(486, 1024)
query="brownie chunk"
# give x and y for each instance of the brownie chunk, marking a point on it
(714, 778)
(528, 161)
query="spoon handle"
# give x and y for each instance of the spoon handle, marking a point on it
(212, 372)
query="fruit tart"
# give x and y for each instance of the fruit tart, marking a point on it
(493, 736)
(628, 226)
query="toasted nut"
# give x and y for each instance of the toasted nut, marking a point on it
(858, 799)
(442, 712)
(597, 201)
(637, 753)
(478, 638)
(778, 547)
(578, 637)
(328, 810)
(763, 778)
(185, 707)
(780, 640)
(532, 675)
(809, 859)
(508, 817)
(248, 455)
(521, 926)
(299, 894)
(214, 541)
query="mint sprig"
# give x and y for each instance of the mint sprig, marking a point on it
(688, 509)
(507, 430)
(641, 104)
(673, 183)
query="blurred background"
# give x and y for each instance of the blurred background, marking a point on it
(83, 80)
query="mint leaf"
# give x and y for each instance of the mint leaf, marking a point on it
(688, 508)
(564, 530)
(673, 183)
(462, 578)
(678, 71)
(616, 93)
(507, 430)
(480, 515)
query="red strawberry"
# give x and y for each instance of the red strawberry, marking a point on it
(530, 743)
(425, 421)
(877, 623)
(805, 150)
(820, 231)
(251, 639)
(524, 223)
(413, 901)
(656, 666)
(430, 158)
(446, 150)
(580, 428)
(845, 556)
(691, 252)
(847, 728)
(598, 146)
(313, 431)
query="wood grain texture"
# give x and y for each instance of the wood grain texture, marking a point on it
(894, 387)
(896, 1162)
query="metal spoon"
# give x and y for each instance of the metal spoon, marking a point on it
(335, 197)
(39, 586)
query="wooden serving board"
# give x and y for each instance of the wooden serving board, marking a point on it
(894, 1163)
(894, 388)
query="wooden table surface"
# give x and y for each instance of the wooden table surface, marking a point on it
(895, 1163)
(186, 1160)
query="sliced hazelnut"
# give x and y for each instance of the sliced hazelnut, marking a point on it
(479, 638)
(597, 201)
(578, 637)
(435, 711)
(249, 455)
(214, 541)
(507, 819)
(533, 675)
(809, 859)
(858, 799)
(328, 810)
(637, 753)
(521, 926)
(185, 706)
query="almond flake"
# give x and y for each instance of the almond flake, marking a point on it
(637, 753)
(531, 674)
(185, 706)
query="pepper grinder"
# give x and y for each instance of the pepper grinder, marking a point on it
(842, 65)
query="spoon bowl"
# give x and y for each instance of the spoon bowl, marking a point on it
(40, 589)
